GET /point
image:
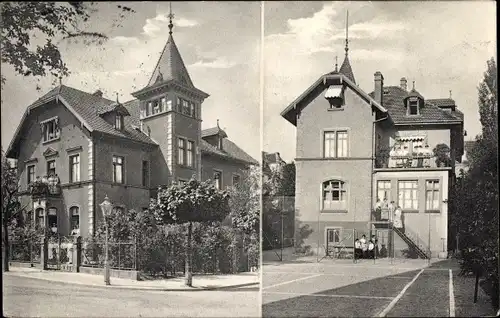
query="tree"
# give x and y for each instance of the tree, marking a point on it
(287, 185)
(488, 98)
(22, 22)
(476, 195)
(11, 207)
(244, 202)
(194, 201)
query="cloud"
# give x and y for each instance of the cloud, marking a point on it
(220, 62)
(124, 40)
(161, 21)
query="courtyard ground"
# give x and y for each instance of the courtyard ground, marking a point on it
(399, 288)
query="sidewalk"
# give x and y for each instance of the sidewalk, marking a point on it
(200, 282)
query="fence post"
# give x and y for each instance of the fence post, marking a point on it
(119, 249)
(77, 254)
(44, 252)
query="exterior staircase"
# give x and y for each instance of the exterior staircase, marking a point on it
(414, 242)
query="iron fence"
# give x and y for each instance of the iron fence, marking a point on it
(121, 255)
(25, 251)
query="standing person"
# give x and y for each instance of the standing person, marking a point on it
(375, 242)
(357, 249)
(385, 210)
(397, 218)
(391, 209)
(363, 246)
(371, 249)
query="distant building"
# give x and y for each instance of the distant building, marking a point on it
(73, 148)
(468, 145)
(273, 160)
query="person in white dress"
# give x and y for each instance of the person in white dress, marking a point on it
(363, 246)
(397, 218)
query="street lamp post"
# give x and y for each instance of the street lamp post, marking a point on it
(106, 207)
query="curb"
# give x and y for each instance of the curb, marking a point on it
(186, 289)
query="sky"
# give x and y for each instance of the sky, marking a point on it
(219, 43)
(441, 45)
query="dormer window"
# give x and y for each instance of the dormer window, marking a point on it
(334, 96)
(119, 121)
(413, 107)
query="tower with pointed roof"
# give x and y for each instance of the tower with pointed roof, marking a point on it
(170, 113)
(346, 68)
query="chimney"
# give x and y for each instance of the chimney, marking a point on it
(379, 87)
(98, 93)
(403, 83)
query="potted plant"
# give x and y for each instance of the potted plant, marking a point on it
(382, 156)
(442, 154)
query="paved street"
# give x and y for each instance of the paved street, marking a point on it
(336, 289)
(28, 297)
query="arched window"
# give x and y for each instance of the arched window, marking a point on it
(74, 212)
(334, 195)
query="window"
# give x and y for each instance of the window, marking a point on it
(182, 149)
(119, 121)
(190, 154)
(74, 213)
(52, 219)
(179, 105)
(384, 190)
(413, 107)
(118, 169)
(236, 179)
(218, 179)
(40, 218)
(335, 144)
(191, 110)
(149, 110)
(145, 173)
(51, 167)
(334, 195)
(156, 107)
(333, 236)
(31, 173)
(50, 129)
(432, 195)
(408, 195)
(74, 168)
(185, 107)
(163, 104)
(169, 105)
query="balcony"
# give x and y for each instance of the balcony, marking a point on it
(45, 187)
(412, 161)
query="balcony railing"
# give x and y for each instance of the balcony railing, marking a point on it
(409, 162)
(45, 186)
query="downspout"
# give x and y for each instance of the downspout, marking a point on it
(373, 161)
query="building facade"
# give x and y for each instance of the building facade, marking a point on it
(73, 148)
(355, 148)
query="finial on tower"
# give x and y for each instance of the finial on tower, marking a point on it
(218, 123)
(347, 33)
(413, 84)
(336, 63)
(450, 93)
(117, 98)
(171, 16)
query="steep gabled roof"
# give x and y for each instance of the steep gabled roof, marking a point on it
(86, 107)
(170, 66)
(429, 114)
(230, 151)
(290, 112)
